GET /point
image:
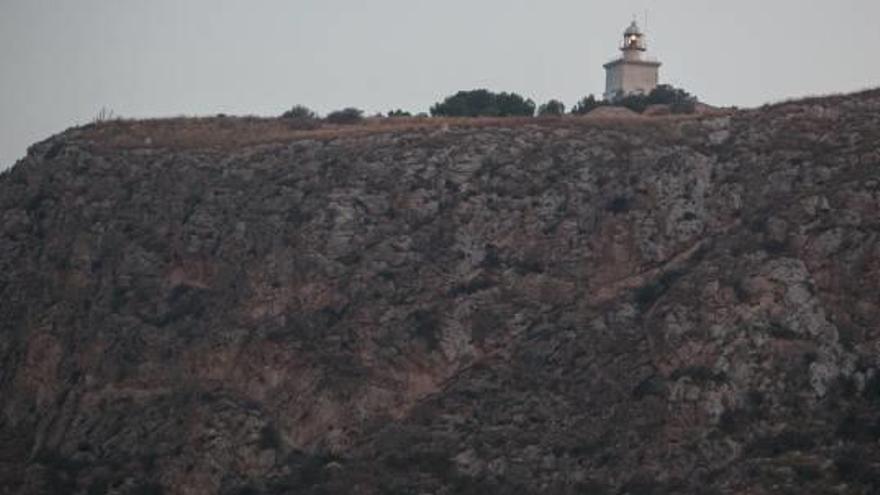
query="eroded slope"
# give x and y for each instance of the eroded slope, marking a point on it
(653, 306)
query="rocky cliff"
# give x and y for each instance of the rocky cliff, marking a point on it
(570, 306)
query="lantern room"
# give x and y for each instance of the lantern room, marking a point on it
(633, 38)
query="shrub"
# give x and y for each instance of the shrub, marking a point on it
(515, 105)
(872, 389)
(776, 445)
(437, 463)
(483, 103)
(699, 374)
(650, 292)
(653, 385)
(425, 326)
(104, 115)
(270, 438)
(552, 108)
(644, 485)
(635, 102)
(678, 100)
(852, 465)
(299, 112)
(148, 488)
(859, 428)
(620, 204)
(471, 287)
(587, 105)
(399, 113)
(778, 331)
(684, 107)
(345, 116)
(484, 324)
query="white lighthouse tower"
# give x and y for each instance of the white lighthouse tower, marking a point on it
(633, 73)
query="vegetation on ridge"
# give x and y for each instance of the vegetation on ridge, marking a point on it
(678, 100)
(484, 103)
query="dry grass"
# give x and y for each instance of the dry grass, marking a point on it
(234, 132)
(825, 99)
(222, 133)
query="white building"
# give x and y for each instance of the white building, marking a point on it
(632, 73)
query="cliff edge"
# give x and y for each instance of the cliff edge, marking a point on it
(568, 306)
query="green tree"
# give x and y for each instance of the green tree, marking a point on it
(483, 103)
(399, 113)
(552, 108)
(512, 104)
(679, 100)
(635, 102)
(299, 112)
(586, 105)
(348, 115)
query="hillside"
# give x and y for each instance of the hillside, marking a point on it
(570, 306)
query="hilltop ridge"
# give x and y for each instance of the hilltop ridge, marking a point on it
(575, 305)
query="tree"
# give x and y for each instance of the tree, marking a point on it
(587, 105)
(399, 113)
(483, 103)
(512, 104)
(666, 94)
(348, 115)
(466, 104)
(299, 112)
(552, 108)
(636, 102)
(679, 100)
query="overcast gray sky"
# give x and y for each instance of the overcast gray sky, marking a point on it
(63, 60)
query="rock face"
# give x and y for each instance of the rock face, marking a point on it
(677, 305)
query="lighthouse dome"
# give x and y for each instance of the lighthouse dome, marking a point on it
(632, 29)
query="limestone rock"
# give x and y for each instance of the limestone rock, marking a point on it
(563, 306)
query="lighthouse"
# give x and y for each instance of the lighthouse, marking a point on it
(634, 72)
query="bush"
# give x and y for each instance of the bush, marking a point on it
(699, 374)
(345, 116)
(425, 326)
(148, 488)
(684, 107)
(105, 115)
(587, 105)
(678, 100)
(635, 102)
(299, 112)
(776, 445)
(270, 438)
(620, 204)
(853, 466)
(552, 108)
(650, 292)
(512, 104)
(399, 113)
(483, 103)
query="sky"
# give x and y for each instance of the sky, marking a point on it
(63, 61)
